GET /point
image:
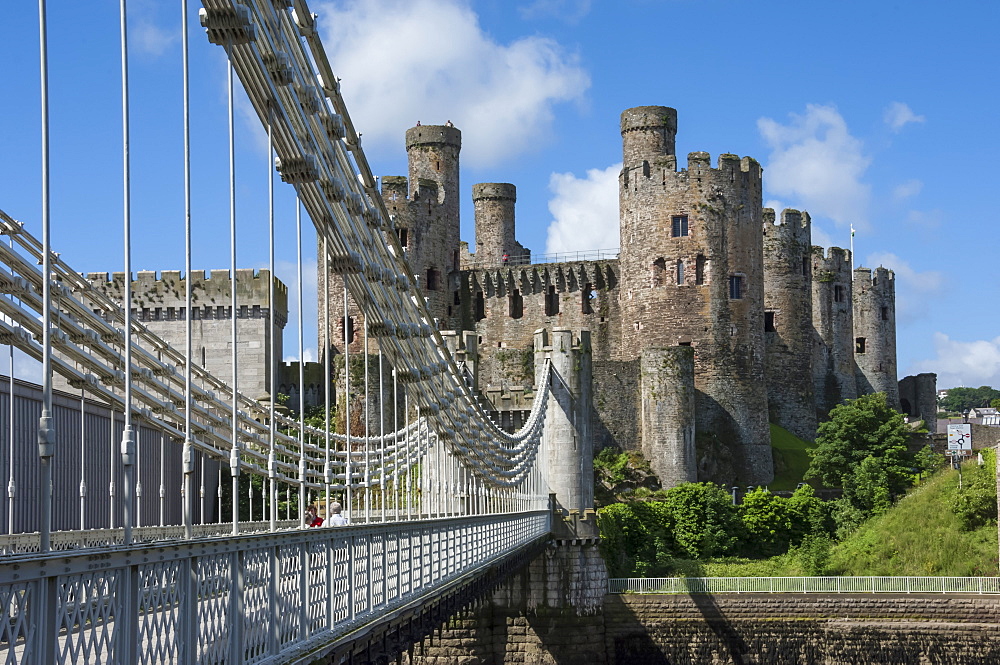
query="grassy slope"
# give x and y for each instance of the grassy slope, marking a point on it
(794, 453)
(919, 536)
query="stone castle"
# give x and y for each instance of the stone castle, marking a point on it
(717, 317)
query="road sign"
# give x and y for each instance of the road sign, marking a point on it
(960, 436)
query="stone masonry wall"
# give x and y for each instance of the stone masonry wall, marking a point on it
(616, 404)
(875, 333)
(833, 321)
(918, 398)
(788, 333)
(732, 629)
(692, 273)
(159, 302)
(518, 300)
(668, 414)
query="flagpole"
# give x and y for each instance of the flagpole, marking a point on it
(852, 251)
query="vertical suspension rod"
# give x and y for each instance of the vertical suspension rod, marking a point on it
(46, 435)
(128, 448)
(187, 491)
(234, 452)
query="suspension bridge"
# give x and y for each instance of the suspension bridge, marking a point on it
(125, 540)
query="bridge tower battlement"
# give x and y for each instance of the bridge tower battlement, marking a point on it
(788, 332)
(691, 266)
(833, 322)
(874, 305)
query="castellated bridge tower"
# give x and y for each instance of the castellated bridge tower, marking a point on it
(425, 212)
(494, 206)
(691, 266)
(788, 332)
(875, 333)
(833, 322)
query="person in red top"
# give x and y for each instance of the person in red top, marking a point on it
(312, 517)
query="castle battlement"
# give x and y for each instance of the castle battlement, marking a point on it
(530, 279)
(168, 287)
(433, 135)
(494, 190)
(793, 225)
(836, 259)
(880, 279)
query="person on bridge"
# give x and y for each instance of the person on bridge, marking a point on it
(336, 518)
(312, 516)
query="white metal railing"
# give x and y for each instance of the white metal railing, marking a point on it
(290, 592)
(874, 584)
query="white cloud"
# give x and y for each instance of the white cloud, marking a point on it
(816, 162)
(907, 189)
(407, 60)
(959, 363)
(897, 115)
(145, 34)
(585, 211)
(913, 288)
(571, 11)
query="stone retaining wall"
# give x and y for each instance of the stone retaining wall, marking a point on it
(726, 629)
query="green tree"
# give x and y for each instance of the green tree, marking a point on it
(705, 521)
(862, 449)
(767, 523)
(960, 399)
(859, 428)
(995, 403)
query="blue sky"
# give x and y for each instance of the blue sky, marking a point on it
(877, 114)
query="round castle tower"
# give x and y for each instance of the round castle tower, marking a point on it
(833, 321)
(875, 333)
(494, 210)
(691, 266)
(788, 333)
(425, 213)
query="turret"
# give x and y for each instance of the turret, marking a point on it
(692, 274)
(788, 334)
(648, 133)
(875, 333)
(833, 324)
(494, 209)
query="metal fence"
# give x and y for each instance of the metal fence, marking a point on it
(805, 585)
(251, 599)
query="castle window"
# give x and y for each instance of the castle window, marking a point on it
(699, 270)
(433, 279)
(347, 329)
(457, 300)
(678, 226)
(769, 322)
(859, 345)
(551, 302)
(885, 313)
(403, 236)
(659, 268)
(203, 357)
(805, 266)
(838, 293)
(736, 287)
(515, 304)
(586, 295)
(680, 272)
(480, 307)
